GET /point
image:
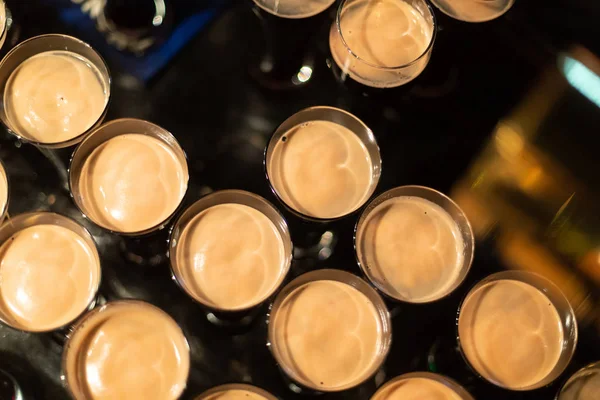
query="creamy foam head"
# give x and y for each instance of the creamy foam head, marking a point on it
(383, 34)
(131, 183)
(411, 248)
(230, 256)
(127, 350)
(48, 275)
(321, 169)
(328, 335)
(294, 8)
(2, 21)
(234, 395)
(236, 392)
(511, 333)
(3, 191)
(584, 386)
(54, 96)
(417, 388)
(474, 10)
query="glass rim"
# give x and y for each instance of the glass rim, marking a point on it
(76, 139)
(4, 209)
(338, 23)
(235, 386)
(91, 313)
(5, 24)
(88, 237)
(173, 146)
(474, 21)
(271, 144)
(178, 229)
(443, 379)
(382, 198)
(594, 366)
(301, 16)
(349, 279)
(518, 276)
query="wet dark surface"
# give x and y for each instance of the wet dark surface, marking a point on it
(428, 135)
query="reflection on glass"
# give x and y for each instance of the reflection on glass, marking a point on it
(236, 391)
(38, 248)
(294, 8)
(55, 89)
(213, 235)
(3, 22)
(323, 163)
(129, 176)
(133, 25)
(414, 243)
(517, 330)
(382, 43)
(4, 193)
(421, 385)
(329, 331)
(9, 387)
(474, 10)
(583, 385)
(126, 349)
(290, 28)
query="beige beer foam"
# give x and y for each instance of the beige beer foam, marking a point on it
(54, 96)
(233, 394)
(231, 256)
(48, 276)
(322, 169)
(3, 191)
(412, 248)
(128, 350)
(3, 27)
(474, 10)
(511, 333)
(585, 387)
(383, 33)
(294, 8)
(416, 389)
(131, 183)
(328, 334)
